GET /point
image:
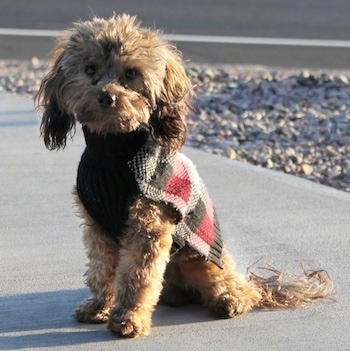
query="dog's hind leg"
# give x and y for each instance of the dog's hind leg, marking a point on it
(143, 258)
(224, 291)
(176, 292)
(102, 252)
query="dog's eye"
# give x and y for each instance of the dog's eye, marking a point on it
(130, 73)
(90, 70)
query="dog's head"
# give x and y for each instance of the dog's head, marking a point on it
(114, 76)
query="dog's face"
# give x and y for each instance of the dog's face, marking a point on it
(113, 76)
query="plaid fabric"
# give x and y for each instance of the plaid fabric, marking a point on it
(174, 180)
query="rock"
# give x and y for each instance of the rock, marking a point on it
(231, 154)
(307, 169)
(35, 62)
(343, 79)
(268, 163)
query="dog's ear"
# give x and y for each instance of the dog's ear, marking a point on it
(56, 123)
(168, 120)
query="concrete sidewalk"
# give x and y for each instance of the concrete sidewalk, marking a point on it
(264, 214)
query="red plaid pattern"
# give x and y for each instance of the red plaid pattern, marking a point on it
(174, 180)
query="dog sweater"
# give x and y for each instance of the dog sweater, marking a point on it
(109, 179)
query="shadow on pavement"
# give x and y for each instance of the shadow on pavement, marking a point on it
(43, 319)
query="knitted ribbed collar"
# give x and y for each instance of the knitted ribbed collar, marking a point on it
(114, 147)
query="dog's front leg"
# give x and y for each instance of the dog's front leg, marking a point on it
(102, 252)
(143, 259)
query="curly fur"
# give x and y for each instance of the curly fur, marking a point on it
(159, 90)
(113, 76)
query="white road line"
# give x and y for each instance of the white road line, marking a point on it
(29, 32)
(259, 41)
(209, 39)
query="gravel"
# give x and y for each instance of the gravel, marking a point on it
(294, 121)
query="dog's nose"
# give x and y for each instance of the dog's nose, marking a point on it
(105, 99)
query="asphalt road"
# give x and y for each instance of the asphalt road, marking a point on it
(304, 19)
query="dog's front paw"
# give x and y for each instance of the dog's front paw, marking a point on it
(91, 311)
(129, 324)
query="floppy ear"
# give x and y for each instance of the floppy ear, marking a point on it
(173, 104)
(56, 122)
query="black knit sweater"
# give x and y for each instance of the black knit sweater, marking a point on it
(105, 184)
(116, 168)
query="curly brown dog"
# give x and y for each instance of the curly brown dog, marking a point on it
(150, 229)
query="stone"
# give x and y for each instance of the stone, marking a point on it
(231, 154)
(306, 169)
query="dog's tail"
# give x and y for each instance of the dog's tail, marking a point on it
(281, 290)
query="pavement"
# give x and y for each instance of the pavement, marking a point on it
(265, 215)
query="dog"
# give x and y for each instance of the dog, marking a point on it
(150, 229)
